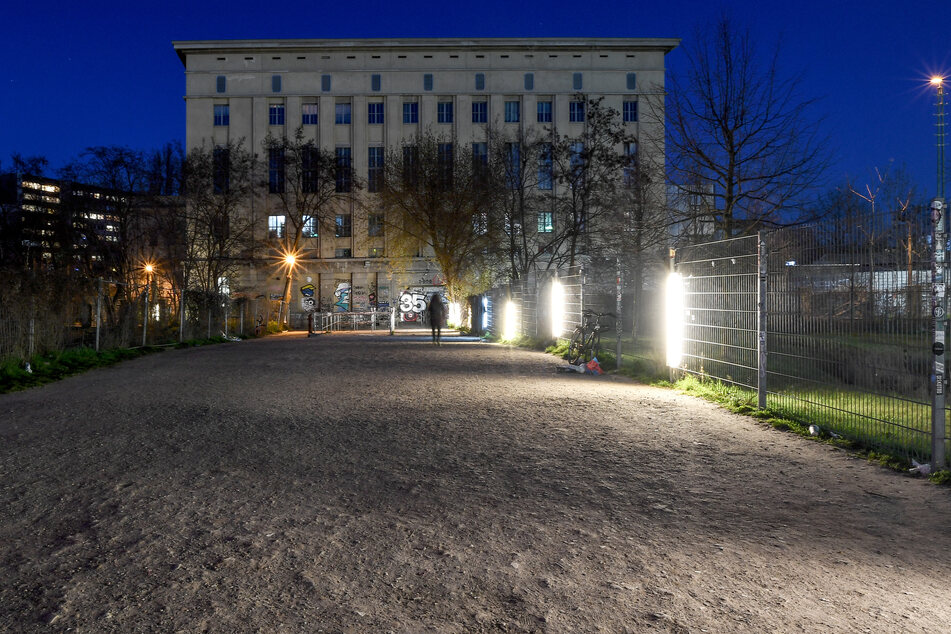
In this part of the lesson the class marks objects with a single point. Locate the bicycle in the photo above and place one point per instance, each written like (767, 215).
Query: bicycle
(586, 339)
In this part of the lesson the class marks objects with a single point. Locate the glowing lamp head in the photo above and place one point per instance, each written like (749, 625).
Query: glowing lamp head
(290, 259)
(937, 81)
(149, 268)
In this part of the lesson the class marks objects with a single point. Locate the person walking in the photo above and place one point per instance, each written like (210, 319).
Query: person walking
(437, 317)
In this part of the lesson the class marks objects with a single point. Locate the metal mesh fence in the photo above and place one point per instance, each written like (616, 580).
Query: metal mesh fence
(846, 325)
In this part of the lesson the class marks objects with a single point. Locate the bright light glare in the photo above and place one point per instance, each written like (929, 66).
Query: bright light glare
(937, 81)
(509, 324)
(455, 314)
(149, 268)
(675, 320)
(290, 259)
(557, 309)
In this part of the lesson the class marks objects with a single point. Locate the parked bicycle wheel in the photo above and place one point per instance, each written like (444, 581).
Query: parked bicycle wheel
(576, 346)
(594, 346)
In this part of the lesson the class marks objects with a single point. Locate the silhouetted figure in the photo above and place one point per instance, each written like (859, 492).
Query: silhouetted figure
(437, 317)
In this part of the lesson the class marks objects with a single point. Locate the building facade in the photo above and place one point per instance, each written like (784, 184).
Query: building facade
(360, 98)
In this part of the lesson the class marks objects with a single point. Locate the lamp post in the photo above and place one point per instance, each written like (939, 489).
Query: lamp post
(145, 316)
(938, 289)
(290, 260)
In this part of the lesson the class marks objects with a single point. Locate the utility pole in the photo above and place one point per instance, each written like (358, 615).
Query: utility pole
(938, 290)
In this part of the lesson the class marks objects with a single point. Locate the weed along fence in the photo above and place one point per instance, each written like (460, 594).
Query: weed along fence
(831, 326)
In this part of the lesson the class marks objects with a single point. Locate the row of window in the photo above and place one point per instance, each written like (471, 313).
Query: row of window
(343, 226)
(375, 157)
(444, 112)
(376, 82)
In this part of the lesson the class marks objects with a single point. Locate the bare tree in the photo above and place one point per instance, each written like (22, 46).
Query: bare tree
(739, 132)
(311, 184)
(32, 165)
(433, 197)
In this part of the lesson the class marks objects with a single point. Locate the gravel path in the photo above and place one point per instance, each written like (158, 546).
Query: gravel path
(361, 484)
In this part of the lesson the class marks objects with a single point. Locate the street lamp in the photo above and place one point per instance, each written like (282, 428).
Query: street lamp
(145, 316)
(938, 83)
(939, 306)
(289, 262)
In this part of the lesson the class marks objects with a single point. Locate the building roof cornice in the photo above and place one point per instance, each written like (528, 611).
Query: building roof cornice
(183, 47)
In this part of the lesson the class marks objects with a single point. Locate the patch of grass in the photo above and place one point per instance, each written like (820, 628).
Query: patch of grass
(54, 366)
(941, 477)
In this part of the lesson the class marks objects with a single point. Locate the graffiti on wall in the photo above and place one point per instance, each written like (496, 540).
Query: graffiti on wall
(413, 301)
(308, 301)
(342, 297)
(359, 300)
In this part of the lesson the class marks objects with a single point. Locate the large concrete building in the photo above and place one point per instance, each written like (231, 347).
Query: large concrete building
(359, 97)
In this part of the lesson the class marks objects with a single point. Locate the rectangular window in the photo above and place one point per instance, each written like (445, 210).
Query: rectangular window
(632, 81)
(544, 166)
(375, 252)
(344, 177)
(275, 83)
(342, 253)
(275, 170)
(513, 177)
(325, 83)
(410, 112)
(444, 112)
(427, 81)
(221, 169)
(576, 111)
(630, 169)
(529, 81)
(310, 227)
(309, 114)
(309, 168)
(480, 81)
(576, 83)
(342, 226)
(221, 83)
(275, 114)
(375, 83)
(576, 164)
(480, 112)
(630, 111)
(410, 163)
(544, 112)
(480, 155)
(221, 114)
(375, 225)
(511, 111)
(444, 159)
(342, 113)
(546, 223)
(374, 169)
(275, 226)
(375, 112)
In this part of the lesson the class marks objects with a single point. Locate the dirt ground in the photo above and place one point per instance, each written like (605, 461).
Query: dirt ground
(358, 484)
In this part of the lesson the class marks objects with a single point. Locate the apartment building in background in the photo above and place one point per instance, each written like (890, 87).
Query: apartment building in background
(360, 98)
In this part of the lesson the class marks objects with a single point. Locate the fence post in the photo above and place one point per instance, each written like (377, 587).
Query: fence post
(98, 311)
(617, 321)
(939, 312)
(763, 270)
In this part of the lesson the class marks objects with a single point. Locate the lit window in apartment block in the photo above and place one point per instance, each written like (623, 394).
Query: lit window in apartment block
(309, 114)
(310, 227)
(275, 226)
(275, 114)
(375, 252)
(511, 111)
(546, 223)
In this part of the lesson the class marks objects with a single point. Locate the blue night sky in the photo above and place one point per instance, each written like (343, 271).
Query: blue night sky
(77, 74)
